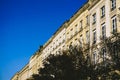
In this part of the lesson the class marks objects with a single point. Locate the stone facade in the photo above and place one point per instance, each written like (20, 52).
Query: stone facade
(95, 20)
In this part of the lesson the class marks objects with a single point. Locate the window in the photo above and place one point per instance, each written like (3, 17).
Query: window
(94, 57)
(81, 24)
(114, 24)
(104, 53)
(102, 11)
(59, 43)
(68, 35)
(103, 31)
(87, 20)
(76, 39)
(115, 50)
(113, 4)
(87, 37)
(81, 40)
(63, 34)
(94, 18)
(76, 28)
(94, 36)
(71, 29)
(76, 42)
(72, 33)
(71, 45)
(50, 46)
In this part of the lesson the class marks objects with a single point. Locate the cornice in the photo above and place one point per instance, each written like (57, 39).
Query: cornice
(60, 29)
(93, 3)
(66, 24)
(48, 42)
(24, 68)
(16, 74)
(55, 34)
(79, 12)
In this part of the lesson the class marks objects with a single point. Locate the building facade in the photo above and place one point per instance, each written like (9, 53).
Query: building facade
(93, 22)
(104, 21)
(23, 74)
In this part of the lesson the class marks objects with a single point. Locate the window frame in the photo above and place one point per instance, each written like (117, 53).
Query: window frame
(104, 54)
(87, 37)
(81, 24)
(113, 4)
(94, 36)
(81, 40)
(94, 57)
(103, 11)
(87, 20)
(114, 24)
(94, 18)
(103, 29)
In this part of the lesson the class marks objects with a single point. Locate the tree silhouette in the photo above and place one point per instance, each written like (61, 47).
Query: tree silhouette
(60, 67)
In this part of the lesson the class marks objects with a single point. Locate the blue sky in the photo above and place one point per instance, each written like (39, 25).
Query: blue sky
(27, 24)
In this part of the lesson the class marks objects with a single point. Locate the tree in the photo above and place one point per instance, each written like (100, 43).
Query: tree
(58, 67)
(109, 68)
(68, 66)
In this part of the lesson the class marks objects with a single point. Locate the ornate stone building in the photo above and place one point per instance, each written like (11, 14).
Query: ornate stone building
(96, 19)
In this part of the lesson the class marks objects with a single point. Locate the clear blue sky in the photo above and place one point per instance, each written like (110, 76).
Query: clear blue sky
(27, 24)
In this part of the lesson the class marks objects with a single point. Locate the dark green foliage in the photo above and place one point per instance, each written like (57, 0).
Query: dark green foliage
(59, 67)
